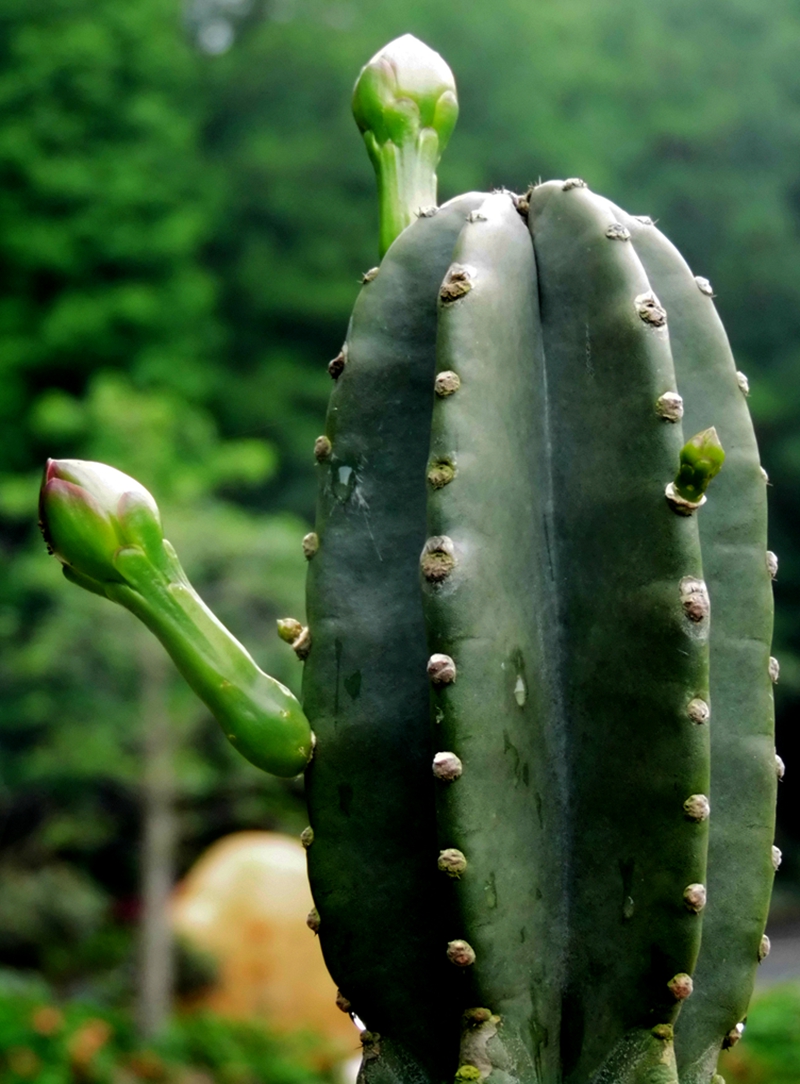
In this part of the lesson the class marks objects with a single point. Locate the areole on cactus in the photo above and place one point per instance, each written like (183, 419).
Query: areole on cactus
(537, 660)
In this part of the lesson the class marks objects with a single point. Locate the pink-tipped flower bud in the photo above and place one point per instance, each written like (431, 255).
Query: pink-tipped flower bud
(88, 511)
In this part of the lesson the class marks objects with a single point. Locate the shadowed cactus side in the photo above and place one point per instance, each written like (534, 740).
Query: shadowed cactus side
(537, 661)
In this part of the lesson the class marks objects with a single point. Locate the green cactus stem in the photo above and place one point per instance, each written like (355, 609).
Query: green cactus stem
(744, 771)
(405, 106)
(105, 529)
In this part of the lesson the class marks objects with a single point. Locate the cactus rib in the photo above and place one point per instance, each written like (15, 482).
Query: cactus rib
(634, 629)
(743, 775)
(370, 788)
(491, 615)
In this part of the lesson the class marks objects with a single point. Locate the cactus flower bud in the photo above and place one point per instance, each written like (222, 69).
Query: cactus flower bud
(88, 511)
(405, 106)
(105, 529)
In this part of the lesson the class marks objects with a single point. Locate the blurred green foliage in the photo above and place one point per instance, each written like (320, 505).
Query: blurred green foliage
(769, 1053)
(185, 210)
(52, 1043)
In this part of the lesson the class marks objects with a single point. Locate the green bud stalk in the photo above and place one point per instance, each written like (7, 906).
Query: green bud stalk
(405, 106)
(105, 528)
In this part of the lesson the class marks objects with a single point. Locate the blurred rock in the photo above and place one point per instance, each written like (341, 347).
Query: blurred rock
(245, 903)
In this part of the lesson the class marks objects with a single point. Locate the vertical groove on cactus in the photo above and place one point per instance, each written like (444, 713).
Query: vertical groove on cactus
(743, 778)
(370, 788)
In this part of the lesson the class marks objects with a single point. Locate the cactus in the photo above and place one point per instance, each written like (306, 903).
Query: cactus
(537, 662)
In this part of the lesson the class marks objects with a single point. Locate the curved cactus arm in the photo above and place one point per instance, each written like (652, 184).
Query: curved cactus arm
(733, 534)
(105, 529)
(489, 615)
(405, 105)
(370, 787)
(633, 633)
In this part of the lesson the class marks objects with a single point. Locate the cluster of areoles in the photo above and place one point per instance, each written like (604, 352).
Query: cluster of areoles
(437, 562)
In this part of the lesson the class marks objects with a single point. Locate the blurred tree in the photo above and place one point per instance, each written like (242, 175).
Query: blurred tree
(100, 733)
(104, 205)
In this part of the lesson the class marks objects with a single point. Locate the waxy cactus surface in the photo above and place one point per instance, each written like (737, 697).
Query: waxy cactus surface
(537, 660)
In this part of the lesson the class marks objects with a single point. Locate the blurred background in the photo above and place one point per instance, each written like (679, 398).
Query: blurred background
(185, 211)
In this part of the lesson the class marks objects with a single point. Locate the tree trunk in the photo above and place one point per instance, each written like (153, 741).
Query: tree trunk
(159, 840)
